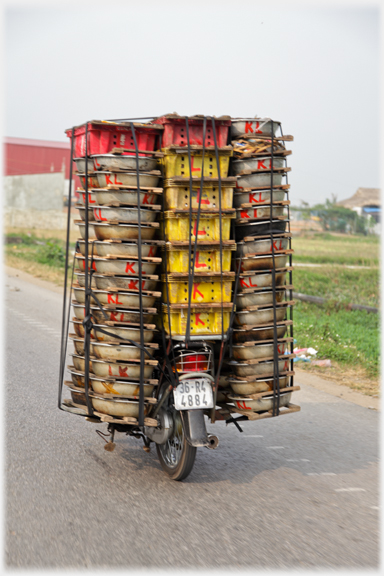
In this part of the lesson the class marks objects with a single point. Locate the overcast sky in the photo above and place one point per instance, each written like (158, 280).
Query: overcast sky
(314, 69)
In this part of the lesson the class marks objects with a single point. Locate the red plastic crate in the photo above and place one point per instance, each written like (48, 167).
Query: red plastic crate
(175, 131)
(103, 137)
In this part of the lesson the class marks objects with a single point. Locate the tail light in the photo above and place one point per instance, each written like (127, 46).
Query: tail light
(193, 362)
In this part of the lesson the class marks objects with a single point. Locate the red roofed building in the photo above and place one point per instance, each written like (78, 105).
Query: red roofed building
(26, 156)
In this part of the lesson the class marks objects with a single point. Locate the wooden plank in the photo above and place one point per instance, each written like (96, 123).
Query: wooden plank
(259, 289)
(261, 415)
(129, 324)
(264, 205)
(255, 272)
(200, 305)
(203, 212)
(286, 138)
(268, 253)
(259, 306)
(125, 419)
(277, 170)
(253, 361)
(201, 274)
(154, 259)
(170, 247)
(144, 292)
(128, 205)
(130, 241)
(251, 220)
(256, 342)
(266, 236)
(180, 243)
(120, 151)
(280, 187)
(269, 392)
(118, 222)
(255, 377)
(112, 275)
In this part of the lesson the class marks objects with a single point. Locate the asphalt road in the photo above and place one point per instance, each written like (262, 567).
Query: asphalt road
(292, 492)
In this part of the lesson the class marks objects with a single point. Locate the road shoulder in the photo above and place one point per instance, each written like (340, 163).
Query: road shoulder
(335, 389)
(15, 272)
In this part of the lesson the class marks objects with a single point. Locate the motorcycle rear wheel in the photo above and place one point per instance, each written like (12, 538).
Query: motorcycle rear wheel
(176, 456)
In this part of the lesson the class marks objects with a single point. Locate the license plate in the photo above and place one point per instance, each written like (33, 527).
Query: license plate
(193, 394)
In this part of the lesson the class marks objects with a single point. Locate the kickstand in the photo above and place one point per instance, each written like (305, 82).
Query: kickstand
(109, 446)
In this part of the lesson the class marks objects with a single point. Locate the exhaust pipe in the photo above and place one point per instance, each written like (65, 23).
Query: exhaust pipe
(213, 442)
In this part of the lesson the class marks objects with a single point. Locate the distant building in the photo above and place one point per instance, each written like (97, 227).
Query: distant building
(366, 202)
(36, 183)
(24, 156)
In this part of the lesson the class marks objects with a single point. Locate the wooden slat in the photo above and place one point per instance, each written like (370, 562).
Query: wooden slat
(180, 243)
(277, 170)
(256, 307)
(255, 272)
(258, 360)
(286, 138)
(264, 205)
(256, 377)
(128, 205)
(257, 289)
(153, 259)
(201, 274)
(260, 416)
(268, 253)
(280, 187)
(268, 392)
(119, 151)
(251, 220)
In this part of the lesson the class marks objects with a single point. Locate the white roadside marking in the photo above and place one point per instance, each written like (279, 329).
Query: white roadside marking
(35, 323)
(374, 507)
(276, 447)
(350, 490)
(321, 474)
(255, 436)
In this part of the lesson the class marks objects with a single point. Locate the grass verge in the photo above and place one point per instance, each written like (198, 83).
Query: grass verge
(42, 257)
(349, 338)
(325, 248)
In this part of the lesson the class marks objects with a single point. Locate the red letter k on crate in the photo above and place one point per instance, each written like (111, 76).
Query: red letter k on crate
(195, 290)
(130, 268)
(198, 320)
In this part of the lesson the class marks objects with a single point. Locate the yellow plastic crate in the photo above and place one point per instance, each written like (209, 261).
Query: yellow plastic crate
(203, 321)
(204, 290)
(177, 227)
(207, 259)
(176, 163)
(176, 195)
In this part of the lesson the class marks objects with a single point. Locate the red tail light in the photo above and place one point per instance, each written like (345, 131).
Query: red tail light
(192, 363)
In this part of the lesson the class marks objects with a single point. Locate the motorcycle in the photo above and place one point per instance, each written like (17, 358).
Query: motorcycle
(181, 409)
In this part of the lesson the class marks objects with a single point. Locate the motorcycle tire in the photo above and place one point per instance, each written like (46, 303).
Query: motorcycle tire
(176, 461)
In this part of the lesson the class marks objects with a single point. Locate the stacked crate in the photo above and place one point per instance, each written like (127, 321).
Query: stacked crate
(261, 361)
(207, 287)
(115, 258)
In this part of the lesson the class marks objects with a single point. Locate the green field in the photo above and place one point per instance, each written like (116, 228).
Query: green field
(327, 248)
(351, 338)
